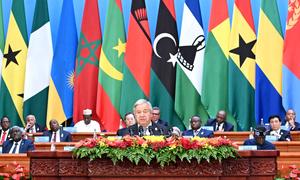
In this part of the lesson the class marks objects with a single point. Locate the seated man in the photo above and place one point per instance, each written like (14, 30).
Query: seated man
(290, 118)
(87, 124)
(196, 129)
(275, 124)
(143, 113)
(4, 132)
(17, 145)
(220, 123)
(129, 121)
(156, 117)
(260, 140)
(56, 134)
(31, 125)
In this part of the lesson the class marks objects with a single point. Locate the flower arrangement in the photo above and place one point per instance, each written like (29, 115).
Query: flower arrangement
(148, 148)
(12, 171)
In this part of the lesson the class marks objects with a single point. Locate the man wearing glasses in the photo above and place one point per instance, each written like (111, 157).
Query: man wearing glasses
(156, 117)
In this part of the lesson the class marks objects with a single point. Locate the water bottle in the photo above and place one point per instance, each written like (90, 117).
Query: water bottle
(251, 133)
(262, 122)
(95, 134)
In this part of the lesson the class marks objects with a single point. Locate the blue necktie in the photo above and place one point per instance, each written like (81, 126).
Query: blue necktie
(15, 148)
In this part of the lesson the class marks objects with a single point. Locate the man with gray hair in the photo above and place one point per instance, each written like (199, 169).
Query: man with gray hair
(142, 111)
(31, 125)
(17, 144)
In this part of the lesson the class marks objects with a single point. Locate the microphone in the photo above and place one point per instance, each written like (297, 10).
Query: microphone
(151, 130)
(131, 132)
(141, 131)
(161, 131)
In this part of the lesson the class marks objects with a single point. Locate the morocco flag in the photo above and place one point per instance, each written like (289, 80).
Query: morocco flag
(87, 62)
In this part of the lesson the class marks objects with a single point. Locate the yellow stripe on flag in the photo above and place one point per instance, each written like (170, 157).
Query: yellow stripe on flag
(221, 33)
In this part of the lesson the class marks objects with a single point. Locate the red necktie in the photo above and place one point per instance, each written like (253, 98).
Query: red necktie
(54, 137)
(3, 136)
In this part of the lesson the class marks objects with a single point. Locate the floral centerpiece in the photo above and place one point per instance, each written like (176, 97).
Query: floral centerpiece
(149, 148)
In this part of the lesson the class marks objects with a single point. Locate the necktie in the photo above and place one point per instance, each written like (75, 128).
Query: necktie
(3, 136)
(15, 148)
(54, 137)
(217, 129)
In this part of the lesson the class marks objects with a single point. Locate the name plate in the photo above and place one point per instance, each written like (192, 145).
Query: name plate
(271, 138)
(70, 129)
(0, 149)
(247, 147)
(41, 139)
(210, 128)
(68, 148)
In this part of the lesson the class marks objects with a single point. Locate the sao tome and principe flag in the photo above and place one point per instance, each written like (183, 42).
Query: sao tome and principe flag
(241, 68)
(13, 65)
(136, 70)
(269, 49)
(164, 59)
(110, 68)
(190, 64)
(87, 62)
(60, 98)
(38, 65)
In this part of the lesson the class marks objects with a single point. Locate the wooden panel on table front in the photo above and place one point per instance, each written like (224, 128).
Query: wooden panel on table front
(20, 159)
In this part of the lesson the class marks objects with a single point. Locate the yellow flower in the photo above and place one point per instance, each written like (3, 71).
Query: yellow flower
(154, 138)
(102, 144)
(144, 145)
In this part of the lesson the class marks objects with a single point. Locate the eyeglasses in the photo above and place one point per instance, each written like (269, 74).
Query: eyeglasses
(155, 113)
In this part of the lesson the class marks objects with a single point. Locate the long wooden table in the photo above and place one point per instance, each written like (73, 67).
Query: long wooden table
(234, 136)
(258, 165)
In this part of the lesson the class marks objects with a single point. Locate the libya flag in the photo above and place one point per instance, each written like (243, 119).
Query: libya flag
(241, 69)
(110, 68)
(39, 60)
(164, 59)
(14, 63)
(137, 64)
(87, 62)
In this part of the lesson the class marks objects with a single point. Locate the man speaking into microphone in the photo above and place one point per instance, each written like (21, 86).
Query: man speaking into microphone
(144, 127)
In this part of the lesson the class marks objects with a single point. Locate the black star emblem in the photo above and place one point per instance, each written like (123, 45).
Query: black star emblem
(244, 50)
(11, 56)
(21, 95)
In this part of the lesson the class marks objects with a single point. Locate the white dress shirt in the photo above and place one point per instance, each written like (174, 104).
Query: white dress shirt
(2, 132)
(92, 127)
(57, 138)
(13, 146)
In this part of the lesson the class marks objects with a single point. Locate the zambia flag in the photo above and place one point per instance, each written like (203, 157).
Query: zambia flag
(269, 51)
(111, 66)
(14, 63)
(136, 70)
(87, 62)
(164, 59)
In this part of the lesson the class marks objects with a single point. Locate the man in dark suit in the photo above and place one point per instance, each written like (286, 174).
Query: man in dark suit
(144, 127)
(290, 120)
(31, 125)
(220, 123)
(129, 120)
(196, 129)
(156, 117)
(281, 135)
(260, 140)
(4, 132)
(17, 145)
(56, 134)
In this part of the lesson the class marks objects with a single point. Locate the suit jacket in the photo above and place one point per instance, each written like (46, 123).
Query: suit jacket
(37, 128)
(285, 135)
(122, 132)
(65, 136)
(297, 127)
(202, 133)
(155, 128)
(8, 135)
(26, 145)
(265, 146)
(226, 127)
(162, 123)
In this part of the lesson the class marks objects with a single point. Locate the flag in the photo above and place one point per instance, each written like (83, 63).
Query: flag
(60, 98)
(2, 42)
(241, 68)
(136, 70)
(164, 59)
(14, 63)
(269, 49)
(111, 65)
(291, 64)
(215, 68)
(38, 65)
(190, 66)
(87, 62)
